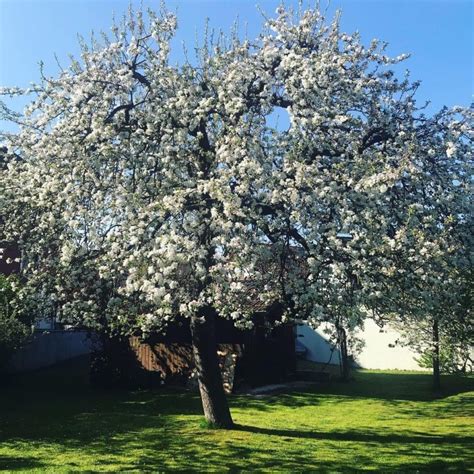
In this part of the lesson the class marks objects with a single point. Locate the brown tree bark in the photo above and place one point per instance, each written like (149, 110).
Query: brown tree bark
(436, 370)
(214, 401)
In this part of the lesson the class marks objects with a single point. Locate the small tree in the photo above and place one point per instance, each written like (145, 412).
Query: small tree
(341, 305)
(145, 190)
(444, 337)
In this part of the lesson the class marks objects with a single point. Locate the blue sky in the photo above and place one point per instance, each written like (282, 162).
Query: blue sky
(438, 33)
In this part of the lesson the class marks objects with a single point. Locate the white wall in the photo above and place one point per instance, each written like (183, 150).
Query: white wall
(376, 353)
(315, 341)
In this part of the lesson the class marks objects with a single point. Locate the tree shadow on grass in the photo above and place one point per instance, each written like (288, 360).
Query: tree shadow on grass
(399, 386)
(427, 453)
(359, 436)
(147, 441)
(164, 401)
(14, 463)
(460, 405)
(147, 430)
(357, 450)
(393, 388)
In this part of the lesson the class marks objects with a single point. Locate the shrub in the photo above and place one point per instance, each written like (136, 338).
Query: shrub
(14, 329)
(452, 359)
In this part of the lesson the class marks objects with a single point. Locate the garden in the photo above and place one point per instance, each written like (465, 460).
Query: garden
(389, 421)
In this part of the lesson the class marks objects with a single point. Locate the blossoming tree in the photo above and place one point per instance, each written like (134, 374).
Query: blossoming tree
(435, 292)
(141, 190)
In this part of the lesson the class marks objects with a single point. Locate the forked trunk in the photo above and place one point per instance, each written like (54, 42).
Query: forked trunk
(214, 401)
(436, 371)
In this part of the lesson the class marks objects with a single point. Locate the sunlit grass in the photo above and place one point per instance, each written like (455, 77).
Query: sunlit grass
(389, 422)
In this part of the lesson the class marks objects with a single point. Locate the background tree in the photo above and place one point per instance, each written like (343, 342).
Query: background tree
(147, 190)
(15, 326)
(444, 336)
(434, 275)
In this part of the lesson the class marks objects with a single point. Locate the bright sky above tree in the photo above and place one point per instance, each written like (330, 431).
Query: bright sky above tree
(437, 33)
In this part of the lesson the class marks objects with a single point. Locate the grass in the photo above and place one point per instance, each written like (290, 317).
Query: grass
(384, 421)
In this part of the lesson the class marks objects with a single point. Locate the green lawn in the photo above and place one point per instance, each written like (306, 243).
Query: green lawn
(384, 421)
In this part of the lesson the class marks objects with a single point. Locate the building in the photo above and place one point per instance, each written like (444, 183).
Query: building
(379, 350)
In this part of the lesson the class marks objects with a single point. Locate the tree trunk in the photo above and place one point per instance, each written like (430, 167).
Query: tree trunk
(344, 357)
(214, 401)
(436, 372)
